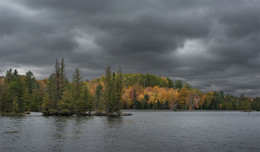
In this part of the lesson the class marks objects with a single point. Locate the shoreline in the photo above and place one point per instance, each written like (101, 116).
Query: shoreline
(125, 112)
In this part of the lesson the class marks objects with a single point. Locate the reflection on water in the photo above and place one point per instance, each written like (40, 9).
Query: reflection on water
(113, 121)
(144, 131)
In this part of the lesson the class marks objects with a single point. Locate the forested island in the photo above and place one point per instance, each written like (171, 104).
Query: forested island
(108, 94)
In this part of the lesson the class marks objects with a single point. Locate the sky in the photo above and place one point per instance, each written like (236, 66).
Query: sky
(211, 44)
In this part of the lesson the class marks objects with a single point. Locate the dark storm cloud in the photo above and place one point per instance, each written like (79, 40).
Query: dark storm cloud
(211, 44)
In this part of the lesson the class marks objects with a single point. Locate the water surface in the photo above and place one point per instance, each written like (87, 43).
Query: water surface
(144, 131)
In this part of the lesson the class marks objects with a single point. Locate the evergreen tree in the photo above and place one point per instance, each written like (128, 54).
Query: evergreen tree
(108, 90)
(62, 78)
(187, 86)
(46, 105)
(27, 100)
(52, 92)
(57, 79)
(36, 100)
(113, 103)
(16, 105)
(66, 105)
(178, 84)
(170, 83)
(9, 75)
(77, 84)
(98, 95)
(15, 91)
(87, 100)
(77, 91)
(30, 81)
(119, 88)
(6, 104)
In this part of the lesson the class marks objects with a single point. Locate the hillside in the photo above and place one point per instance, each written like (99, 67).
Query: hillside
(113, 91)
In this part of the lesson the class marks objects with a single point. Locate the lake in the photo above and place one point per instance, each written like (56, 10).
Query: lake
(144, 131)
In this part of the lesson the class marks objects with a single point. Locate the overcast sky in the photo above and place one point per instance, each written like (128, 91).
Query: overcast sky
(212, 44)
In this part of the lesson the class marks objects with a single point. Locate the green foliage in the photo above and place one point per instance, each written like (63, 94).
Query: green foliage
(46, 104)
(118, 89)
(77, 84)
(146, 80)
(187, 86)
(108, 91)
(170, 83)
(98, 97)
(36, 100)
(30, 81)
(178, 84)
(88, 100)
(57, 96)
(16, 105)
(113, 90)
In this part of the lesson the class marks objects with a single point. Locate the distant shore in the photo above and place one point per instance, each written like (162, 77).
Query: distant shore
(127, 112)
(163, 110)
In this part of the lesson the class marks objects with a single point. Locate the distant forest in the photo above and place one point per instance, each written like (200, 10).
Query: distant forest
(111, 92)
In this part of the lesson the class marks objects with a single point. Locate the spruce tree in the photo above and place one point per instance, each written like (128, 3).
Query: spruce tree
(119, 88)
(77, 84)
(30, 81)
(87, 99)
(98, 95)
(113, 103)
(62, 78)
(108, 90)
(77, 91)
(57, 79)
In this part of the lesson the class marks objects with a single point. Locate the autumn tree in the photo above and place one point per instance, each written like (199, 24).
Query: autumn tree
(183, 97)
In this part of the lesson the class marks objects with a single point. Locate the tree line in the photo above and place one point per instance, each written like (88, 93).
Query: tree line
(108, 94)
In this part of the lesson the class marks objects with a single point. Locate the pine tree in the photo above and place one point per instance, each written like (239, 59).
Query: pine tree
(15, 91)
(51, 87)
(6, 100)
(77, 84)
(178, 84)
(98, 95)
(77, 91)
(57, 79)
(46, 105)
(16, 105)
(62, 78)
(87, 99)
(30, 81)
(9, 75)
(36, 100)
(119, 88)
(27, 100)
(108, 90)
(113, 93)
